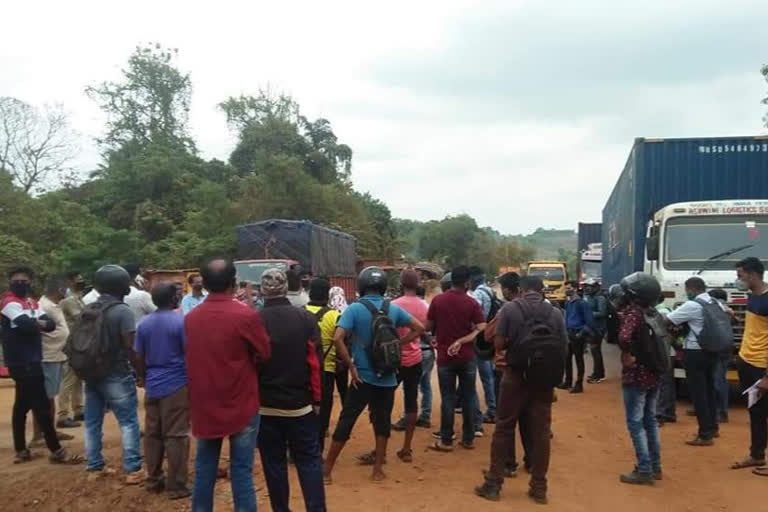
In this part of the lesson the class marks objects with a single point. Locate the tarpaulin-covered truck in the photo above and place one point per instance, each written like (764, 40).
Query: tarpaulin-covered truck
(320, 251)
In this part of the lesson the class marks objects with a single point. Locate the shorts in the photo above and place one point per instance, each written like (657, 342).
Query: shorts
(410, 376)
(379, 400)
(52, 375)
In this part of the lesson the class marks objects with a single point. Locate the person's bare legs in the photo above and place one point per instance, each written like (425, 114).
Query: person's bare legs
(410, 427)
(381, 454)
(330, 460)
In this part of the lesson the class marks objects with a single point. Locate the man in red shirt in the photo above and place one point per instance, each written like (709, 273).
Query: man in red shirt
(226, 343)
(456, 319)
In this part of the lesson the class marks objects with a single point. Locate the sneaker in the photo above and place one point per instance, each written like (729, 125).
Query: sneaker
(438, 435)
(564, 385)
(538, 496)
(67, 423)
(700, 441)
(423, 423)
(577, 388)
(595, 380)
(488, 491)
(399, 426)
(479, 433)
(637, 478)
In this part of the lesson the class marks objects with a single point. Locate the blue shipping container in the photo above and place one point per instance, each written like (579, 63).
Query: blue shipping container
(660, 172)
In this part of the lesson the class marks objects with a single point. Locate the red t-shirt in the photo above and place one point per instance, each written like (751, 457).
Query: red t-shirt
(225, 341)
(454, 315)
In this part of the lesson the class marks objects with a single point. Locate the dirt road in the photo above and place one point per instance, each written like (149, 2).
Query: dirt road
(591, 447)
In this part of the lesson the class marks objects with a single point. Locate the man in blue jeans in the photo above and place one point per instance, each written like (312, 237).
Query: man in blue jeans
(226, 344)
(640, 385)
(456, 319)
(484, 296)
(116, 391)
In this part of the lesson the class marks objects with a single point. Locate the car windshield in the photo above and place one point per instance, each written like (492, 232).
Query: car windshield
(547, 273)
(691, 242)
(252, 271)
(591, 269)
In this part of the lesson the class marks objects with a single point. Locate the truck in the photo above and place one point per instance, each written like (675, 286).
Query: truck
(687, 207)
(590, 251)
(554, 274)
(317, 250)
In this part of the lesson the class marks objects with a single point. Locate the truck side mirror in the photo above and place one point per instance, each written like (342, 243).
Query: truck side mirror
(652, 244)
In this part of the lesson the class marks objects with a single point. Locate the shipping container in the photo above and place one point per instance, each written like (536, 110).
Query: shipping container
(660, 172)
(589, 233)
(319, 250)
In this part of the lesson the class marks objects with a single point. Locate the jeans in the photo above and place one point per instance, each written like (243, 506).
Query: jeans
(118, 393)
(299, 435)
(700, 373)
(640, 408)
(722, 389)
(758, 413)
(485, 369)
(667, 405)
(575, 350)
(466, 374)
(425, 385)
(242, 448)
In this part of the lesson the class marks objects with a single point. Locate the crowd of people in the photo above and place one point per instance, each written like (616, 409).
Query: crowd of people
(218, 364)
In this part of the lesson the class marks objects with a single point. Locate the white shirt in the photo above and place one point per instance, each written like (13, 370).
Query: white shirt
(91, 297)
(140, 303)
(54, 341)
(692, 313)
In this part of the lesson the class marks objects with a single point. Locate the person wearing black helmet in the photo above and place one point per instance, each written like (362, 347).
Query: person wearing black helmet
(639, 381)
(599, 305)
(370, 388)
(117, 391)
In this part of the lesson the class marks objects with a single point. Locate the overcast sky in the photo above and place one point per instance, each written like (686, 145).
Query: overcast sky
(521, 114)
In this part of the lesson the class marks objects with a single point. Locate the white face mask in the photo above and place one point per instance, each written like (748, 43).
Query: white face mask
(741, 285)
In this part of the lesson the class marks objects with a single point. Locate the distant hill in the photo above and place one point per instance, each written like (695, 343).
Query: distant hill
(549, 242)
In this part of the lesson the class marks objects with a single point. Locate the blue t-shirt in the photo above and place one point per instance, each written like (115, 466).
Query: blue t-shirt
(357, 320)
(160, 341)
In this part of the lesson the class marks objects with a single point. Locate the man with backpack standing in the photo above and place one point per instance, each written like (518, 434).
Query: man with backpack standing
(456, 320)
(580, 325)
(533, 334)
(598, 305)
(490, 305)
(644, 359)
(375, 345)
(290, 389)
(707, 323)
(101, 352)
(327, 319)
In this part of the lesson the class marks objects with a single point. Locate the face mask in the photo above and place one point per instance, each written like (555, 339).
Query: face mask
(20, 288)
(198, 288)
(570, 293)
(741, 285)
(690, 295)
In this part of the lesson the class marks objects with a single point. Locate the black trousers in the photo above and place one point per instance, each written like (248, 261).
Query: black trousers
(699, 372)
(326, 406)
(379, 400)
(576, 345)
(596, 348)
(31, 395)
(758, 413)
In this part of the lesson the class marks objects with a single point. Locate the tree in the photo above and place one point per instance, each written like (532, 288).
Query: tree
(764, 101)
(150, 105)
(36, 147)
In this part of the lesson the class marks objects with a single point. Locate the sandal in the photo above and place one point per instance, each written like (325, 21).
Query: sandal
(22, 457)
(748, 462)
(368, 459)
(405, 455)
(64, 457)
(761, 471)
(438, 446)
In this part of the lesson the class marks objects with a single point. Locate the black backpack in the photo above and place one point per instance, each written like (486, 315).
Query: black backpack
(385, 342)
(540, 352)
(717, 333)
(653, 350)
(319, 315)
(87, 349)
(484, 349)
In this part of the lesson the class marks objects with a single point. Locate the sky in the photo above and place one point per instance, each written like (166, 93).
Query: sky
(519, 113)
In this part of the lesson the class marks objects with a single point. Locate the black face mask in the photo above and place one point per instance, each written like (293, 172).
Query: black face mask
(198, 288)
(79, 286)
(20, 288)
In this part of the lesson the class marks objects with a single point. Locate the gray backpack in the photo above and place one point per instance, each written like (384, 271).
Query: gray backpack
(87, 349)
(717, 334)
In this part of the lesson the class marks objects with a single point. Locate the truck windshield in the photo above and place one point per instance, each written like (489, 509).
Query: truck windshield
(252, 271)
(547, 273)
(591, 269)
(691, 241)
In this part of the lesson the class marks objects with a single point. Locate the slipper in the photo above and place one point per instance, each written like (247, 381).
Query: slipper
(368, 459)
(405, 455)
(748, 462)
(761, 471)
(64, 457)
(440, 447)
